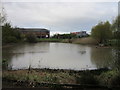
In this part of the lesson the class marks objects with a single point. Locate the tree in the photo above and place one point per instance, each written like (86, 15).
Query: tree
(116, 33)
(31, 38)
(116, 28)
(10, 34)
(2, 17)
(64, 36)
(102, 32)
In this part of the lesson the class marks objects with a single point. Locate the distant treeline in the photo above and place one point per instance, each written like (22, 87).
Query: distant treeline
(64, 36)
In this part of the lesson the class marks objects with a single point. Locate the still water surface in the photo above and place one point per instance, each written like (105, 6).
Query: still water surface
(57, 56)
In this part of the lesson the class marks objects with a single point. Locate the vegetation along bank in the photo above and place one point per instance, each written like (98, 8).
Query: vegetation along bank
(34, 77)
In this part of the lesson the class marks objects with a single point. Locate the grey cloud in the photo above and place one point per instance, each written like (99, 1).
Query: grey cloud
(63, 17)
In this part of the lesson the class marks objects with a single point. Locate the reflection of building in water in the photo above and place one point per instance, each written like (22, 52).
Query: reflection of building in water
(39, 32)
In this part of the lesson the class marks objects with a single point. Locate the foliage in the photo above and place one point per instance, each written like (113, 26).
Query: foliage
(116, 59)
(110, 78)
(115, 80)
(31, 38)
(2, 16)
(116, 28)
(10, 34)
(116, 31)
(102, 31)
(64, 36)
(87, 78)
(4, 64)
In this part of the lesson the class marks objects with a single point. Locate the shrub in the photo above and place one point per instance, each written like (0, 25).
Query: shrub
(87, 78)
(10, 34)
(110, 78)
(10, 39)
(31, 38)
(115, 80)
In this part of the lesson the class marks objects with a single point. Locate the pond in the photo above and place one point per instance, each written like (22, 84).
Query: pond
(57, 56)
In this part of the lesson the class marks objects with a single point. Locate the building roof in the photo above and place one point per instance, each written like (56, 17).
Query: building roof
(33, 29)
(78, 32)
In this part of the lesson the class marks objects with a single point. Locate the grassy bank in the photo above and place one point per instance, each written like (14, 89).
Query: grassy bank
(93, 77)
(84, 40)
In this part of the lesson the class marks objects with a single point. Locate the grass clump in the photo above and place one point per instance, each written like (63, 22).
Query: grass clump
(110, 78)
(87, 78)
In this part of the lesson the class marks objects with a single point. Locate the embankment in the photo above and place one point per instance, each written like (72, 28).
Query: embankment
(38, 77)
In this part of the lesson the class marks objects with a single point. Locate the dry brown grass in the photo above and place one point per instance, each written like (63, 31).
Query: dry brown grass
(85, 40)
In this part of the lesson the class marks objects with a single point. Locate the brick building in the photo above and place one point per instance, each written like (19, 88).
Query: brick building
(38, 32)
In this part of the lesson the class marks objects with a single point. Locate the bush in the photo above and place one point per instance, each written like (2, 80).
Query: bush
(31, 38)
(10, 39)
(115, 80)
(110, 78)
(87, 78)
(10, 34)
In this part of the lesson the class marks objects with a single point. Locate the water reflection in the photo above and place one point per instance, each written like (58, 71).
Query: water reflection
(101, 57)
(58, 56)
(82, 52)
(22, 55)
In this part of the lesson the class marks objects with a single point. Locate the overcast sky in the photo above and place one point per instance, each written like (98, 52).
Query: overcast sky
(60, 16)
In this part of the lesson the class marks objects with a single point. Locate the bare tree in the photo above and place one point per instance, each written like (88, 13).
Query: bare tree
(2, 15)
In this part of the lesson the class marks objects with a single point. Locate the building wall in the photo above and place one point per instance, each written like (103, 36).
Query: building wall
(40, 33)
(80, 34)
